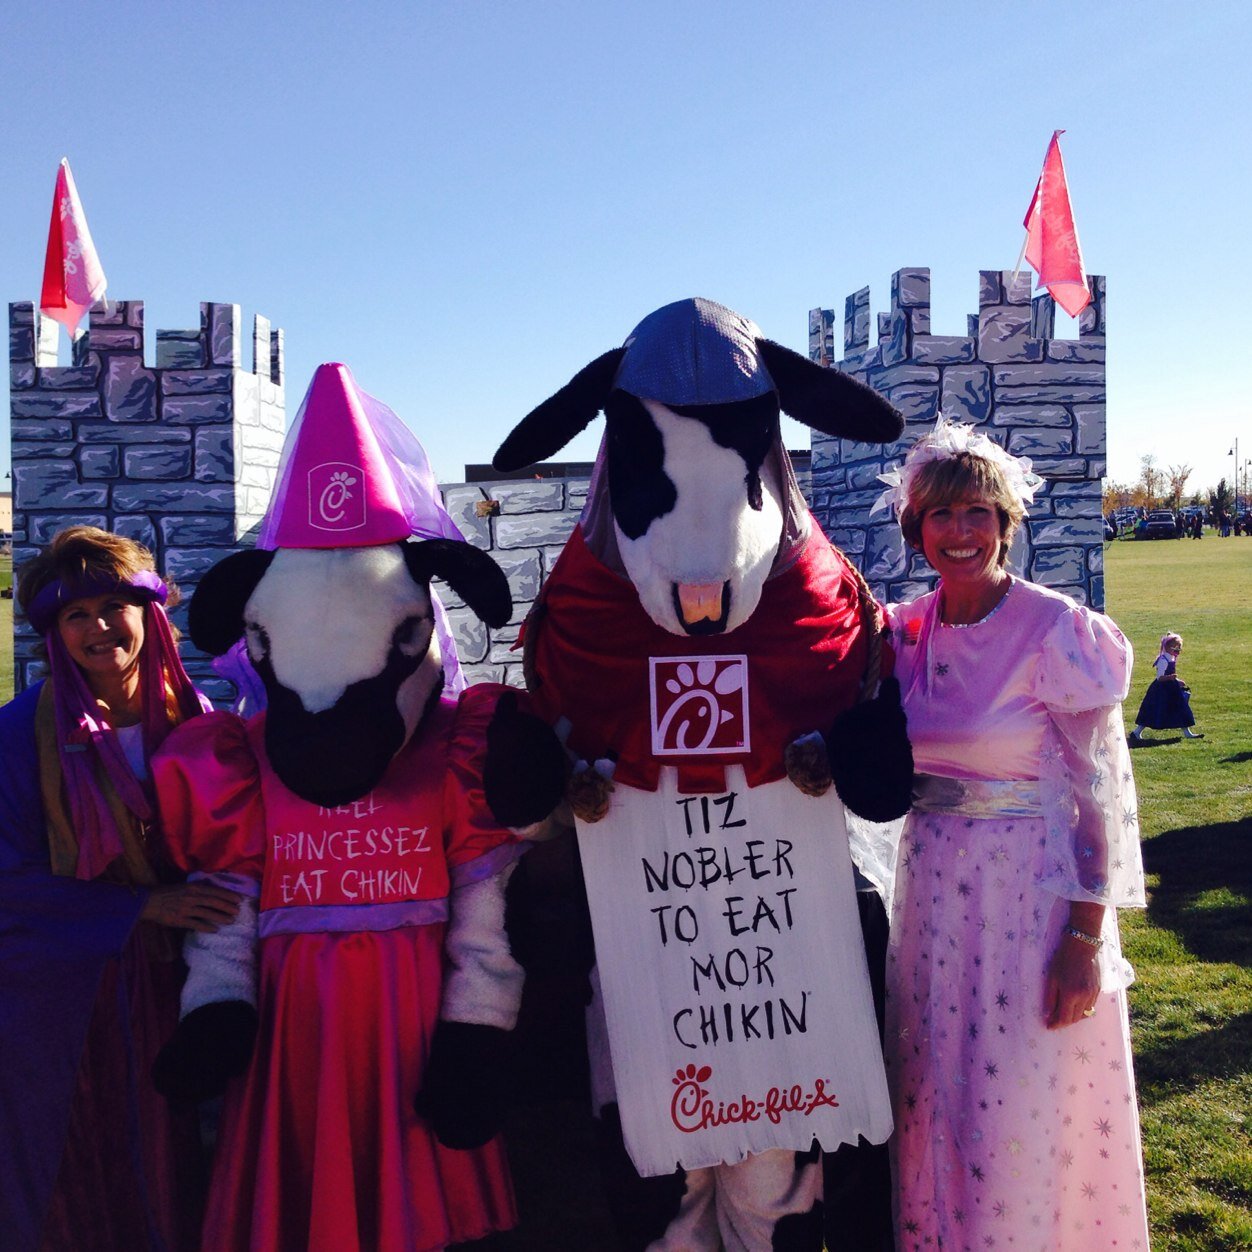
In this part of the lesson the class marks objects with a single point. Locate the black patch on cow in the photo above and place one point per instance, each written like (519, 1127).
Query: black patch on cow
(547, 429)
(639, 488)
(338, 755)
(749, 427)
(800, 1232)
(470, 572)
(215, 615)
(827, 399)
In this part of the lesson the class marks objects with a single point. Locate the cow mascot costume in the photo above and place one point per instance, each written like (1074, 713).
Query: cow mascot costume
(369, 816)
(696, 634)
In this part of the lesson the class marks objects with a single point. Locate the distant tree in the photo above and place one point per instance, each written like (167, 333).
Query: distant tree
(1177, 475)
(1115, 496)
(1149, 479)
(1221, 498)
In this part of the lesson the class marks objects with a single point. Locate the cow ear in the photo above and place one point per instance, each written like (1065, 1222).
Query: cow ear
(215, 615)
(828, 400)
(548, 428)
(469, 571)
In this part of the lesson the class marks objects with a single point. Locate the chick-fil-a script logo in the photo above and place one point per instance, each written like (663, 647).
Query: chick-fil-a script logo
(699, 705)
(336, 501)
(693, 1107)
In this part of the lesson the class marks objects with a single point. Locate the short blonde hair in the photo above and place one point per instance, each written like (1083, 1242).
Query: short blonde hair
(962, 478)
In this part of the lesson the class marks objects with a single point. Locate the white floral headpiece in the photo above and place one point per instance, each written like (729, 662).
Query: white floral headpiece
(947, 440)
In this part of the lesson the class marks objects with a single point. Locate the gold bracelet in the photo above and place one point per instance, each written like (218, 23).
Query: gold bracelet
(1093, 941)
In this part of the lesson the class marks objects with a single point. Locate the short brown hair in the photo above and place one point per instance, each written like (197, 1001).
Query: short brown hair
(961, 478)
(85, 554)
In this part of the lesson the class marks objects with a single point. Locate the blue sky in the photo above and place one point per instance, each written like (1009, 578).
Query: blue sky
(467, 202)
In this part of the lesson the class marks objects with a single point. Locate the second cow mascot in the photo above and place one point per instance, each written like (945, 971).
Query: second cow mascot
(696, 634)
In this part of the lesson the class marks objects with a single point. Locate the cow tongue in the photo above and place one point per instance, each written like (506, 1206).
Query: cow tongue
(700, 600)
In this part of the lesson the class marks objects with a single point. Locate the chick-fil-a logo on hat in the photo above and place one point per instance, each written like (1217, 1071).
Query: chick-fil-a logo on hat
(699, 705)
(336, 501)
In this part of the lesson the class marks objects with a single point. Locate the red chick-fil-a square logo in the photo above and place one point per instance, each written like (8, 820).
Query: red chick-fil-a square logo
(336, 496)
(699, 705)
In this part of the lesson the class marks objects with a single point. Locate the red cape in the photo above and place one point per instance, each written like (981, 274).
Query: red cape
(589, 641)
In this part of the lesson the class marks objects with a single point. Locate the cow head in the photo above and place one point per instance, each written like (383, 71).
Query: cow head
(344, 641)
(696, 473)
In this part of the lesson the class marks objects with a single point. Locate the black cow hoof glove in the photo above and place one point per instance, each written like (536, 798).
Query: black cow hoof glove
(465, 1084)
(525, 768)
(212, 1045)
(871, 760)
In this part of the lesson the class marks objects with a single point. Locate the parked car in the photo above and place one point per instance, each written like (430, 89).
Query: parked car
(1160, 524)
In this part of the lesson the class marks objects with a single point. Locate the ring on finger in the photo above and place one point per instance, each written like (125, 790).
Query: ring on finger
(1089, 1012)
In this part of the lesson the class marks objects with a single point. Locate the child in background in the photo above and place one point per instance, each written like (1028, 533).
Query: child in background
(1167, 703)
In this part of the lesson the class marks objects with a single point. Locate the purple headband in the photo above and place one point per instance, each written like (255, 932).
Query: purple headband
(146, 586)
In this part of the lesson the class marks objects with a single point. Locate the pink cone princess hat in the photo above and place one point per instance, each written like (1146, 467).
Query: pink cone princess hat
(335, 488)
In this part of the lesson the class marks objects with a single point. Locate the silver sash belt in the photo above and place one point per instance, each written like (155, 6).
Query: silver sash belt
(974, 797)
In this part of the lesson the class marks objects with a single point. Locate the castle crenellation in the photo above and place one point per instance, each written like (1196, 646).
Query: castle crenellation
(180, 455)
(1036, 395)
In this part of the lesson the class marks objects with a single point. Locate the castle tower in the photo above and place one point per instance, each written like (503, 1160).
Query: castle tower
(1037, 396)
(180, 456)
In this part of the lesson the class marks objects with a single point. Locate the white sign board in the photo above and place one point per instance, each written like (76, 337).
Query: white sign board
(738, 1003)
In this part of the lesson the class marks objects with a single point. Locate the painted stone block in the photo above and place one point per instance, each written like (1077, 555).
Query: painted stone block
(863, 476)
(1041, 441)
(180, 498)
(856, 321)
(1004, 335)
(100, 461)
(159, 463)
(942, 349)
(848, 539)
(915, 402)
(188, 565)
(136, 526)
(179, 350)
(1030, 415)
(885, 555)
(1077, 352)
(534, 530)
(966, 393)
(55, 405)
(222, 324)
(54, 485)
(470, 636)
(545, 496)
(1049, 374)
(195, 410)
(119, 434)
(576, 490)
(1055, 567)
(130, 391)
(1090, 419)
(990, 288)
(215, 458)
(71, 377)
(524, 570)
(461, 501)
(195, 382)
(41, 450)
(41, 527)
(21, 375)
(1054, 532)
(198, 530)
(122, 340)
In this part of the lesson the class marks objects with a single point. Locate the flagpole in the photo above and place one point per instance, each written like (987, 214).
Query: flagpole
(1017, 269)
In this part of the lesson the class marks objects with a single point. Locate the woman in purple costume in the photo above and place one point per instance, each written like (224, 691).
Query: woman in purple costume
(1007, 1041)
(90, 915)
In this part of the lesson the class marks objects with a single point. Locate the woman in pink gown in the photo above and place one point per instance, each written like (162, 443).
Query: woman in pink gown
(1007, 1036)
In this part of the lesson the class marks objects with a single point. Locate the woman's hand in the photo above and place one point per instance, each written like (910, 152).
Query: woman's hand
(1071, 987)
(191, 906)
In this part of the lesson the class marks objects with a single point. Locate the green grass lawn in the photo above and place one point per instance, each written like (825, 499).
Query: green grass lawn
(1192, 947)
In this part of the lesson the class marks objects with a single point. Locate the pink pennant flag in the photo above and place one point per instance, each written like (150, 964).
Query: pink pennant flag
(72, 277)
(1052, 246)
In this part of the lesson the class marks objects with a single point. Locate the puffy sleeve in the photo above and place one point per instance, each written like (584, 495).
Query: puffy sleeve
(1083, 675)
(208, 792)
(476, 844)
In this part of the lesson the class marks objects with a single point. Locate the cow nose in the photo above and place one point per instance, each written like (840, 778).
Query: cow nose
(700, 601)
